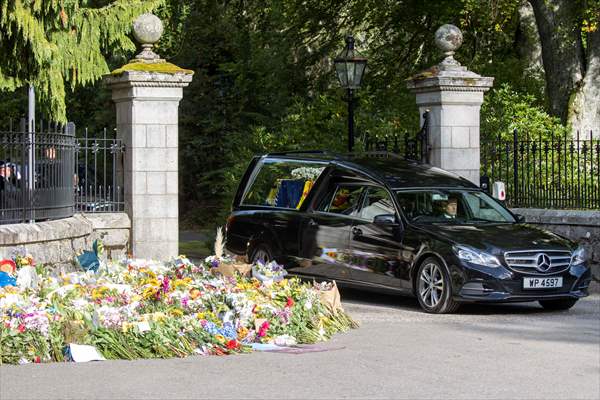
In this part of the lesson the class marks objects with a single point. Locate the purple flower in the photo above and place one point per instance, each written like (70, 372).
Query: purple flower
(214, 263)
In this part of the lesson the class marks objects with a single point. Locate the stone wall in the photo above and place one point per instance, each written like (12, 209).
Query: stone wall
(56, 242)
(581, 226)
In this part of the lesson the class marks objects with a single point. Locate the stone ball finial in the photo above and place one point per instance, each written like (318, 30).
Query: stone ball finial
(448, 39)
(147, 30)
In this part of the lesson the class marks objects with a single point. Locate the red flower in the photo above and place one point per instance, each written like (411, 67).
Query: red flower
(262, 331)
(290, 302)
(37, 360)
(21, 328)
(233, 344)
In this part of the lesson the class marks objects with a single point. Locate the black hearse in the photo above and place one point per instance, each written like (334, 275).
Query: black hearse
(383, 223)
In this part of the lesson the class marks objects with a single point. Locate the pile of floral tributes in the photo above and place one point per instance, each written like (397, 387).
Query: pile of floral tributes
(149, 309)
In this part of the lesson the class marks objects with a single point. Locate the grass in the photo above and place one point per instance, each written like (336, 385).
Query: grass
(195, 249)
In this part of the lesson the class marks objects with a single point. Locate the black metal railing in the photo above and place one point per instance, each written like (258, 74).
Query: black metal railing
(549, 172)
(36, 172)
(408, 145)
(99, 172)
(50, 173)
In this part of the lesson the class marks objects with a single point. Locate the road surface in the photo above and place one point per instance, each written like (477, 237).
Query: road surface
(492, 352)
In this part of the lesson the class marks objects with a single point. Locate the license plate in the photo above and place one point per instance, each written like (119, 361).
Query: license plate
(542, 283)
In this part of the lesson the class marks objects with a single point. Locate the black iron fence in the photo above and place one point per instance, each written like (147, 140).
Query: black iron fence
(99, 172)
(545, 172)
(36, 179)
(51, 173)
(408, 145)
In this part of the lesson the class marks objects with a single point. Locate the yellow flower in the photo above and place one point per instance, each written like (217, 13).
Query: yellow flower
(158, 316)
(242, 332)
(220, 338)
(176, 312)
(149, 292)
(177, 283)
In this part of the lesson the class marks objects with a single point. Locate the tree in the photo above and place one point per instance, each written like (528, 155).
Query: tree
(570, 37)
(54, 44)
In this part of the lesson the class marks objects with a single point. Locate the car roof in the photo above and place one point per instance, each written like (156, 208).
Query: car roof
(396, 172)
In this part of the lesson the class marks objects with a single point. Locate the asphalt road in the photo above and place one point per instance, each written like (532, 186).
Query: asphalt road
(494, 352)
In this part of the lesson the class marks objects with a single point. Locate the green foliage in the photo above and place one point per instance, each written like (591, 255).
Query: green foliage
(56, 44)
(505, 110)
(263, 76)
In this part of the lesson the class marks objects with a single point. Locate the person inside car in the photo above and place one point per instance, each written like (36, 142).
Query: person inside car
(446, 209)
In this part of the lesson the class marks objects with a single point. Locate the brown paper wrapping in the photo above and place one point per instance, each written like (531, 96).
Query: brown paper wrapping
(331, 298)
(229, 269)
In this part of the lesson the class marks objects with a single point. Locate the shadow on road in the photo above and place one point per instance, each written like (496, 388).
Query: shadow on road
(411, 304)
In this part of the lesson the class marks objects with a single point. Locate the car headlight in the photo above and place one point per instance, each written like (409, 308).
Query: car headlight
(476, 257)
(578, 256)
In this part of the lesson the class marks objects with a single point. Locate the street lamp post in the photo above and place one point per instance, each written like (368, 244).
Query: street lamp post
(350, 67)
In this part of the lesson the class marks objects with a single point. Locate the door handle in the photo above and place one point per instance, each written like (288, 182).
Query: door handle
(357, 231)
(312, 222)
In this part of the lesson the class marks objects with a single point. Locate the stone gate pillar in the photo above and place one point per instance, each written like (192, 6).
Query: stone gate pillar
(453, 96)
(147, 92)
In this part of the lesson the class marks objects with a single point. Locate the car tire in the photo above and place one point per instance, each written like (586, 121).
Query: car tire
(433, 288)
(261, 252)
(557, 305)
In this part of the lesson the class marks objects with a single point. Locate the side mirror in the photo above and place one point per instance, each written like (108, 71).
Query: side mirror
(520, 218)
(385, 219)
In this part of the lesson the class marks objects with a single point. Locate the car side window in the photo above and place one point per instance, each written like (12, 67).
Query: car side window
(282, 183)
(342, 199)
(377, 202)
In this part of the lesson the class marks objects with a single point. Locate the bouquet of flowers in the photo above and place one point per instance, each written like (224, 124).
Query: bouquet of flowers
(222, 264)
(268, 272)
(329, 295)
(307, 173)
(147, 309)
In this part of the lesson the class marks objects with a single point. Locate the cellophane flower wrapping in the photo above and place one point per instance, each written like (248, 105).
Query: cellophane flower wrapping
(149, 309)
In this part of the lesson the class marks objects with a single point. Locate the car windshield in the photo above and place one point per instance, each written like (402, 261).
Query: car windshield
(451, 206)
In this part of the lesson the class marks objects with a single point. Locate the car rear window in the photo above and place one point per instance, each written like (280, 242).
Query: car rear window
(282, 183)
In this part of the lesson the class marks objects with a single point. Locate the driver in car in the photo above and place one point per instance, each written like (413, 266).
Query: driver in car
(447, 209)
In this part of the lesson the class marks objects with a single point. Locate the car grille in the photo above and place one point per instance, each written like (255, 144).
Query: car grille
(527, 261)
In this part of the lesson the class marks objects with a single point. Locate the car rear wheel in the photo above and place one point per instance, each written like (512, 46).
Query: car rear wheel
(562, 304)
(262, 253)
(433, 288)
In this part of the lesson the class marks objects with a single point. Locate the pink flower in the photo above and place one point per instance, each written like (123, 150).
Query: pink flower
(262, 331)
(165, 284)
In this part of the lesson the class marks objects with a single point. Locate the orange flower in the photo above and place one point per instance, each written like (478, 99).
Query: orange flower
(195, 293)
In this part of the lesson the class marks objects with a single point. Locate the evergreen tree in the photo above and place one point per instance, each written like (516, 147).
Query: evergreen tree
(54, 44)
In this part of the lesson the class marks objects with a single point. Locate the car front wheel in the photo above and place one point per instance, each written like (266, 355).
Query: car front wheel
(562, 304)
(433, 288)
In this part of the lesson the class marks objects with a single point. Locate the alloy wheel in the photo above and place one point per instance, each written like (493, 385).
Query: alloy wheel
(261, 255)
(431, 285)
